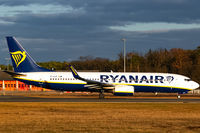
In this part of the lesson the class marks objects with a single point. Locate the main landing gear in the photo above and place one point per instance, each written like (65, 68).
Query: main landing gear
(101, 94)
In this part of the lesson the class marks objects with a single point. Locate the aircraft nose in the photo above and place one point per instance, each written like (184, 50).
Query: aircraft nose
(195, 85)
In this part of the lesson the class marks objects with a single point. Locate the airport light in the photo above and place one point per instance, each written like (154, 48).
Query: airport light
(7, 60)
(124, 40)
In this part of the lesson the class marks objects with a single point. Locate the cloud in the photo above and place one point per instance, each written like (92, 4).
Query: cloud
(73, 28)
(155, 27)
(11, 11)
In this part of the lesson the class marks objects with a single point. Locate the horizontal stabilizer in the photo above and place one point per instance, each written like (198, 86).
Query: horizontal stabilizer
(14, 73)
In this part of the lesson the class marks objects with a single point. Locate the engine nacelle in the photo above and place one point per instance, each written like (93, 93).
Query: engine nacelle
(123, 90)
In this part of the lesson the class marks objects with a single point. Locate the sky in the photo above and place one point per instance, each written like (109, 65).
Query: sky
(64, 30)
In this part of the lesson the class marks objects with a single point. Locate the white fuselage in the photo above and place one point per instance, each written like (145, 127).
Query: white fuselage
(141, 81)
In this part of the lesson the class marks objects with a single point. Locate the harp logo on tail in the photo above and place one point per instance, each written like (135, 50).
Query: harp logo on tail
(18, 57)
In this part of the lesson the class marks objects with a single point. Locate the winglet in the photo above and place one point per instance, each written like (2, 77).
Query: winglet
(74, 72)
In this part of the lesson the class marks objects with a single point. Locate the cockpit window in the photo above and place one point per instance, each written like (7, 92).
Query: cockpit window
(188, 80)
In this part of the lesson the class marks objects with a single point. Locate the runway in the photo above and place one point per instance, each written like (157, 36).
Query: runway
(10, 98)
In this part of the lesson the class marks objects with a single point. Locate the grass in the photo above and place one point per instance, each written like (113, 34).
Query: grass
(99, 117)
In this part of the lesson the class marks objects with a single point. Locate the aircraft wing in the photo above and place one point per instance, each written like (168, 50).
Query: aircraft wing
(91, 84)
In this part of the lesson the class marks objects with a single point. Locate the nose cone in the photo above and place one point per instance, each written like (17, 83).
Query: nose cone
(194, 85)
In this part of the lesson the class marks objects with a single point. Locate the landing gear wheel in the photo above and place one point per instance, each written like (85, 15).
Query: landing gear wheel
(101, 94)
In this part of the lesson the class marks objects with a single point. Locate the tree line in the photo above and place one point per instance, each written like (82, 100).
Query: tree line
(176, 60)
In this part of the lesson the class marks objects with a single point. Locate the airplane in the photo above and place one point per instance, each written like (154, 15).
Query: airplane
(118, 83)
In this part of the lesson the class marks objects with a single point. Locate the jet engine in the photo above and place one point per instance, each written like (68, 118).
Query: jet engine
(123, 90)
